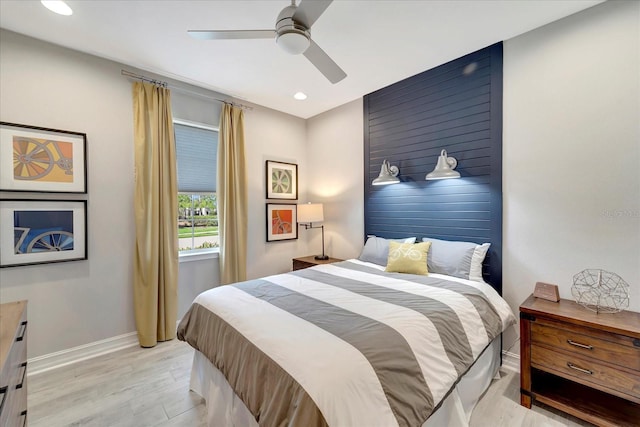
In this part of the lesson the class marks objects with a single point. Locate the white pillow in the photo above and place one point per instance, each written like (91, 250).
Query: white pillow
(479, 254)
(376, 249)
(457, 259)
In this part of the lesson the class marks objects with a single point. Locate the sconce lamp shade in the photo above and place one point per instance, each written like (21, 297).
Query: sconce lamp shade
(388, 175)
(444, 168)
(310, 212)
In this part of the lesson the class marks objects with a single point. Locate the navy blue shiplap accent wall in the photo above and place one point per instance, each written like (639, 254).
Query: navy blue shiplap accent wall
(458, 107)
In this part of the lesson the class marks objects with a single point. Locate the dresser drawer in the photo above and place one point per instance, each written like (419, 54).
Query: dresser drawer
(584, 342)
(14, 406)
(14, 385)
(16, 355)
(13, 363)
(587, 371)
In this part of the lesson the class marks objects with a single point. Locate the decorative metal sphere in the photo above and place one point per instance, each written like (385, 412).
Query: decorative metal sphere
(600, 291)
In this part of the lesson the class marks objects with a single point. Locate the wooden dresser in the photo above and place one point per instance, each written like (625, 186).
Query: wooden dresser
(580, 362)
(310, 261)
(13, 364)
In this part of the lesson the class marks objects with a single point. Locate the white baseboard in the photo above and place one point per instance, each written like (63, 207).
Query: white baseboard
(511, 361)
(47, 362)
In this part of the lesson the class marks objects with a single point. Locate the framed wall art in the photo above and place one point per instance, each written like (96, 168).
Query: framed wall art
(282, 180)
(42, 231)
(282, 222)
(38, 159)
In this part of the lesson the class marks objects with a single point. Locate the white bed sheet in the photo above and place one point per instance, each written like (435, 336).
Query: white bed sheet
(225, 408)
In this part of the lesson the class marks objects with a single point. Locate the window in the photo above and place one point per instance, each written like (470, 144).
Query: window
(196, 152)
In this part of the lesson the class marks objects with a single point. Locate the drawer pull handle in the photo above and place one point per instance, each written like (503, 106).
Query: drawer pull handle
(577, 344)
(24, 373)
(23, 325)
(3, 391)
(577, 368)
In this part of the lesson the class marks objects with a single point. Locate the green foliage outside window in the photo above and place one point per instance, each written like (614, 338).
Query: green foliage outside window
(197, 220)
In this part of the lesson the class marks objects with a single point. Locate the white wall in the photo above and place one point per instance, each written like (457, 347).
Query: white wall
(270, 135)
(335, 153)
(572, 151)
(80, 302)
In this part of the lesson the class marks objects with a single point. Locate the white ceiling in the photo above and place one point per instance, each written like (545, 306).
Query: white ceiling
(375, 42)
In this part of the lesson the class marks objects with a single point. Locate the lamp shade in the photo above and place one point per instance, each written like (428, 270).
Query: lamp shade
(310, 212)
(388, 175)
(444, 168)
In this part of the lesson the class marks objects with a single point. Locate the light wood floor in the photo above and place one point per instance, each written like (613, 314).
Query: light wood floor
(150, 387)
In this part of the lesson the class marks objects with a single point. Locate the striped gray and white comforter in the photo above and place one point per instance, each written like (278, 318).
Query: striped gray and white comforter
(345, 344)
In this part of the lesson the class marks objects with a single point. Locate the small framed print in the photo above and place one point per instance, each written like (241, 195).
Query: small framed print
(42, 231)
(282, 180)
(282, 222)
(42, 160)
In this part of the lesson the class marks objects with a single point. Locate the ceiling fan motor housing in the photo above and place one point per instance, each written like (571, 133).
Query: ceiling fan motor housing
(293, 37)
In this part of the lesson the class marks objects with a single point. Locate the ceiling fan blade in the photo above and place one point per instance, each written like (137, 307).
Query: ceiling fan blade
(324, 63)
(309, 11)
(232, 34)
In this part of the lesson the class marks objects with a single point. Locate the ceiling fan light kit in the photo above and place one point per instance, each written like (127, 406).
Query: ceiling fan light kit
(293, 41)
(292, 37)
(292, 34)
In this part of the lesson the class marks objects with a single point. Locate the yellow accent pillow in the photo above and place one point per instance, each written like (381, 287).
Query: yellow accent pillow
(408, 258)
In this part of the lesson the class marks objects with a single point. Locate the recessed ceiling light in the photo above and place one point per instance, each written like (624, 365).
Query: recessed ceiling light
(57, 6)
(300, 96)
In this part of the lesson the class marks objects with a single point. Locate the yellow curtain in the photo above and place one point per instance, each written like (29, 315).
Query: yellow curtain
(156, 209)
(232, 196)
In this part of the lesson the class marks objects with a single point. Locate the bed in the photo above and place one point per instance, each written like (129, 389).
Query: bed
(345, 344)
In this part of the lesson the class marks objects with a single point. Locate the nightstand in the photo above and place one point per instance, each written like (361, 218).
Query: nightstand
(310, 261)
(580, 362)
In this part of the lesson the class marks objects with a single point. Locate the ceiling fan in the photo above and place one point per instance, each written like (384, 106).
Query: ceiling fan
(292, 34)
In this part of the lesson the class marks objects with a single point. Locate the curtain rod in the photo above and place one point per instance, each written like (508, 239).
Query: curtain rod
(179, 89)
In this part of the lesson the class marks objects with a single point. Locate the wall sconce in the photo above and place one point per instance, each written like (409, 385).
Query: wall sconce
(445, 168)
(307, 215)
(388, 175)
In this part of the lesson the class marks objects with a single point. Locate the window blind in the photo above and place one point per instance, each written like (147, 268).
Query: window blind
(197, 157)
